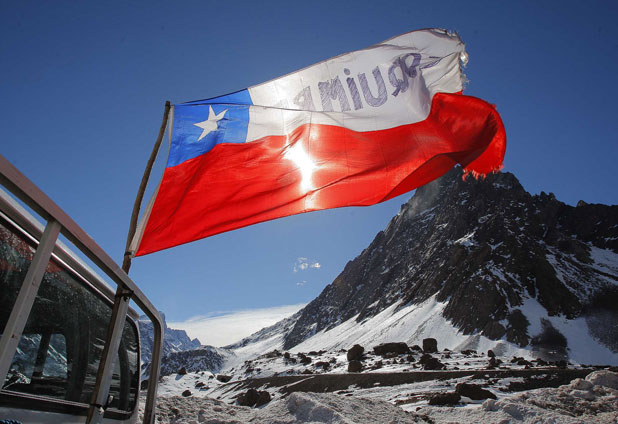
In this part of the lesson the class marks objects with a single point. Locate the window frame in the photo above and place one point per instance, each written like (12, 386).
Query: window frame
(10, 398)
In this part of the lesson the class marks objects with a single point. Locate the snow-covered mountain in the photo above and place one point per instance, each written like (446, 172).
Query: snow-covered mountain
(476, 264)
(204, 358)
(173, 340)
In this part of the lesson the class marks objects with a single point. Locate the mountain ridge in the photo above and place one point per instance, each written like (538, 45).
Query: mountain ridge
(486, 246)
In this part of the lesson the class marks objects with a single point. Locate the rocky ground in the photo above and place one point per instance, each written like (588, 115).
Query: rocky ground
(590, 400)
(392, 383)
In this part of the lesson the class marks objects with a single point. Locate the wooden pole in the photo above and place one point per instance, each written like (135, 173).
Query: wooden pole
(126, 263)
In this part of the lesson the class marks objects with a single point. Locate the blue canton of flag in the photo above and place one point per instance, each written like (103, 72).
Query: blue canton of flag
(201, 125)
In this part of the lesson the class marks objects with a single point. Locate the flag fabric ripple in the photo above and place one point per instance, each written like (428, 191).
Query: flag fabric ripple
(354, 130)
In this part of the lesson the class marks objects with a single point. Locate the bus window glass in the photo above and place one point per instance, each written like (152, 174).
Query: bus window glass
(15, 257)
(61, 346)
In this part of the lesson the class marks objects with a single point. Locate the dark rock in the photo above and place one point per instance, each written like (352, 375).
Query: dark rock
(378, 365)
(186, 393)
(397, 348)
(286, 355)
(491, 353)
(182, 371)
(264, 398)
(448, 398)
(248, 398)
(410, 358)
(307, 371)
(494, 362)
(199, 384)
(272, 354)
(430, 345)
(253, 398)
(322, 364)
(473, 391)
(355, 366)
(304, 359)
(143, 385)
(430, 363)
(312, 353)
(434, 364)
(417, 348)
(224, 378)
(468, 352)
(355, 353)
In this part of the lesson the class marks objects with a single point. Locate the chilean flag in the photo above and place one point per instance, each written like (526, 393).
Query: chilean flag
(354, 130)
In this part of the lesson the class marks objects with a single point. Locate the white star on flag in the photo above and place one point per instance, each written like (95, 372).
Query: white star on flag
(211, 124)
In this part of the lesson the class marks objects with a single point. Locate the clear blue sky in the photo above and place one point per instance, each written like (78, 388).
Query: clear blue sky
(83, 86)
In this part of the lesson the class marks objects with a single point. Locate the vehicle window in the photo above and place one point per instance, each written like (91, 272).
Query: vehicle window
(15, 257)
(60, 349)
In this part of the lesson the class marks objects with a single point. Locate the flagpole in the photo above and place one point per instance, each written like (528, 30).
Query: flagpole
(126, 263)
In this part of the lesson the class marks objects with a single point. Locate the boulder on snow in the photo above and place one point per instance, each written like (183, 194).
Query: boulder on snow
(186, 393)
(224, 378)
(448, 398)
(254, 398)
(355, 352)
(322, 364)
(304, 359)
(474, 391)
(355, 366)
(398, 348)
(182, 371)
(430, 363)
(491, 353)
(494, 362)
(430, 345)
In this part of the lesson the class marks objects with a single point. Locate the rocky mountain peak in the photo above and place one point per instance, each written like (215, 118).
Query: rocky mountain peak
(173, 340)
(485, 247)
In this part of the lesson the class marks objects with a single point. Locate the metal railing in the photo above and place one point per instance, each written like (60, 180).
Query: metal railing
(58, 222)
